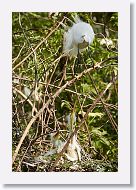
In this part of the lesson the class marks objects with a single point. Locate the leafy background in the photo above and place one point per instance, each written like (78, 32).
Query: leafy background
(37, 40)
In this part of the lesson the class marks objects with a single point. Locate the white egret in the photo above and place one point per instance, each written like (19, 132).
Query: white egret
(73, 149)
(77, 38)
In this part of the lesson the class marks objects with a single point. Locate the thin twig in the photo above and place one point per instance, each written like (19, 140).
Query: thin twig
(25, 97)
(68, 83)
(79, 126)
(44, 40)
(15, 59)
(86, 126)
(113, 123)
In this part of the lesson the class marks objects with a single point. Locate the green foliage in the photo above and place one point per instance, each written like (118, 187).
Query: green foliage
(41, 72)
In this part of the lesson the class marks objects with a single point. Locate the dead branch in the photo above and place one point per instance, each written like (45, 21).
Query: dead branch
(79, 126)
(68, 83)
(44, 40)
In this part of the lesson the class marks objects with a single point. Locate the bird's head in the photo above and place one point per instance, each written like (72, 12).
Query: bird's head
(84, 42)
(82, 34)
(77, 38)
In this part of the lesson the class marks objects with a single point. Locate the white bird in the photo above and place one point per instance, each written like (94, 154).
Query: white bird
(77, 38)
(73, 150)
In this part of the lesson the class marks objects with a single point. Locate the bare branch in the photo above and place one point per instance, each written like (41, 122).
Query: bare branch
(68, 83)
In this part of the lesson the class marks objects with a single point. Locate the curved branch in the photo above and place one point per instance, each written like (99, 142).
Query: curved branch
(68, 83)
(44, 40)
(82, 122)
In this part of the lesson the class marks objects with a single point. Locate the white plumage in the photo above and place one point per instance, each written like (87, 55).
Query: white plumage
(80, 35)
(73, 150)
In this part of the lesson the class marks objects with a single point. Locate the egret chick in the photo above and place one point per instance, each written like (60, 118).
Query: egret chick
(77, 38)
(73, 150)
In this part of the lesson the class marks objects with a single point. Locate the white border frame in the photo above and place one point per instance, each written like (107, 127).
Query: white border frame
(6, 174)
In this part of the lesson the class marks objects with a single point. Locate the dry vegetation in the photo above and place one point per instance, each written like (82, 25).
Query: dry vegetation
(48, 110)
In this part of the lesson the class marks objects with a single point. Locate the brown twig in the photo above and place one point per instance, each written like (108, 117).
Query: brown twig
(26, 98)
(79, 126)
(44, 40)
(86, 126)
(68, 83)
(113, 123)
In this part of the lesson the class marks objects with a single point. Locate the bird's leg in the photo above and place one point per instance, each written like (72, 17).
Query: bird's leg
(73, 69)
(90, 56)
(78, 56)
(64, 65)
(77, 63)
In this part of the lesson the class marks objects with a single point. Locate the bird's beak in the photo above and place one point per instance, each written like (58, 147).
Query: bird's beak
(84, 38)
